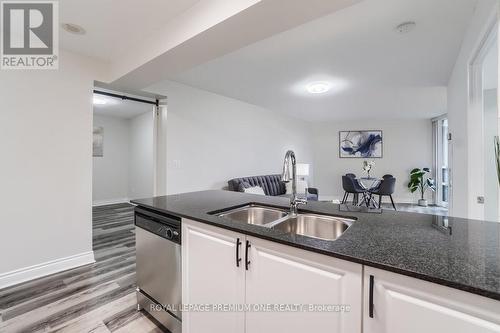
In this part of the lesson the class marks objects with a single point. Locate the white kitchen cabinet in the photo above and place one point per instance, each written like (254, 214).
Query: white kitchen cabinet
(280, 274)
(405, 304)
(210, 276)
(277, 275)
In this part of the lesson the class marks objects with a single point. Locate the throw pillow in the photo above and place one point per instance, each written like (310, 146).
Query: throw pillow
(243, 185)
(255, 190)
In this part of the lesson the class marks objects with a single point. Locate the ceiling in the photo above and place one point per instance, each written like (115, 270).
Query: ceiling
(208, 30)
(115, 26)
(115, 107)
(375, 72)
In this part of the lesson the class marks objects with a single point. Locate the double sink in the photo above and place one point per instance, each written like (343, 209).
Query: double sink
(305, 224)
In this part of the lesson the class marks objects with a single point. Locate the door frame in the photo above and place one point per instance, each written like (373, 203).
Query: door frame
(159, 112)
(475, 120)
(160, 148)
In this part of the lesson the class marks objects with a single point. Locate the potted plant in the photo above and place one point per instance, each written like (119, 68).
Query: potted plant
(419, 181)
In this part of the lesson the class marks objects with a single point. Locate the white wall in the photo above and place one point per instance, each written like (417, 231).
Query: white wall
(407, 145)
(465, 126)
(126, 170)
(110, 178)
(141, 158)
(46, 164)
(212, 138)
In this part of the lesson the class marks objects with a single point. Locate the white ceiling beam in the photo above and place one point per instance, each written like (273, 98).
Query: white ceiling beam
(209, 30)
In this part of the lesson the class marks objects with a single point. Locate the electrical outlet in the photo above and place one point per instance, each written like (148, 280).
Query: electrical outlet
(177, 164)
(480, 200)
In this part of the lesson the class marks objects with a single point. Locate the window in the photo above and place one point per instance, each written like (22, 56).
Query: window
(441, 165)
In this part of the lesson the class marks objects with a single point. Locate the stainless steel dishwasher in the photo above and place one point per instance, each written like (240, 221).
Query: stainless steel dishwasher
(158, 246)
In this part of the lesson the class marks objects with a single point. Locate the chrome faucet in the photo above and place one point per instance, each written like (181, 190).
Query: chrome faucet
(286, 177)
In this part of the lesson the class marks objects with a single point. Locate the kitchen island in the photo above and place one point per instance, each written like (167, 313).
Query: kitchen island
(461, 254)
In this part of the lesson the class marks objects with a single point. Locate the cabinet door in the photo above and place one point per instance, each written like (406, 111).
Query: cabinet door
(404, 304)
(210, 276)
(283, 275)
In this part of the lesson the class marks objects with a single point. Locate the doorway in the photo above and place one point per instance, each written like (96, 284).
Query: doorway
(123, 148)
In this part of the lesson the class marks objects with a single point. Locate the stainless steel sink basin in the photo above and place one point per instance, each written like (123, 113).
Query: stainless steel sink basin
(254, 214)
(305, 224)
(316, 226)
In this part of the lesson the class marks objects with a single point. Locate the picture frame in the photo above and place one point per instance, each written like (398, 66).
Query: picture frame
(361, 144)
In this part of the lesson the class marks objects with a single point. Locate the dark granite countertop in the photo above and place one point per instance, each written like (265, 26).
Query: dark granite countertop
(455, 252)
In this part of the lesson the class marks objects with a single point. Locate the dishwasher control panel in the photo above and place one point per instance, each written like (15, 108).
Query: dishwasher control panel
(166, 226)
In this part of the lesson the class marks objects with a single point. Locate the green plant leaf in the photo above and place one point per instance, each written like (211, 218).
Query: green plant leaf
(417, 175)
(414, 170)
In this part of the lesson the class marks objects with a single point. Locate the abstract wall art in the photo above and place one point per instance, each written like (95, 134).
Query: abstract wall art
(360, 144)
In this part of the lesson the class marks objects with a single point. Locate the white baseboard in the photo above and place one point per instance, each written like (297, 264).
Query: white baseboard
(36, 271)
(97, 203)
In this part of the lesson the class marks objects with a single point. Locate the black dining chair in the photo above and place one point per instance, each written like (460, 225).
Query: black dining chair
(350, 185)
(312, 194)
(386, 188)
(356, 183)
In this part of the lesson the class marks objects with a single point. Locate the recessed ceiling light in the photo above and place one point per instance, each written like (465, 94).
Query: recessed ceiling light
(405, 27)
(318, 87)
(99, 101)
(73, 28)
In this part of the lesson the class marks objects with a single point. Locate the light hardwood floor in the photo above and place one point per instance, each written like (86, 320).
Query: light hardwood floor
(412, 208)
(95, 298)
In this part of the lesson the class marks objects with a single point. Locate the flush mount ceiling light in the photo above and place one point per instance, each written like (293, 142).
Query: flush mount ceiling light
(405, 27)
(318, 87)
(73, 28)
(99, 100)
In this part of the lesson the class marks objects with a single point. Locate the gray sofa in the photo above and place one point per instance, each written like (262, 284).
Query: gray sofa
(271, 184)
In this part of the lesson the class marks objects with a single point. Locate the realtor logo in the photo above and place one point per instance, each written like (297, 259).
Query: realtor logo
(29, 36)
